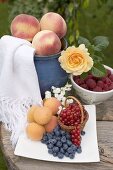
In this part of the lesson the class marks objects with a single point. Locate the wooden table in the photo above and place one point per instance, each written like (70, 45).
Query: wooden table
(105, 140)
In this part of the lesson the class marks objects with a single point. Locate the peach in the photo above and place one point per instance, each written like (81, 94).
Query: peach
(46, 43)
(42, 115)
(54, 22)
(53, 104)
(35, 131)
(51, 125)
(25, 26)
(30, 114)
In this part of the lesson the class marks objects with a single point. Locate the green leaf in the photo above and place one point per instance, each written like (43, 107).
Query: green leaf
(100, 43)
(71, 39)
(96, 58)
(71, 7)
(83, 75)
(98, 70)
(82, 40)
(85, 3)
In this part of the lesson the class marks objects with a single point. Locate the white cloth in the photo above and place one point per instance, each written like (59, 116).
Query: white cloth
(19, 86)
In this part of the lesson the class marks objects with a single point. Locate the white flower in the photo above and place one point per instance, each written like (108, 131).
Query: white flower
(59, 109)
(68, 85)
(59, 98)
(47, 94)
(63, 93)
(53, 87)
(56, 90)
(56, 95)
(68, 89)
(69, 101)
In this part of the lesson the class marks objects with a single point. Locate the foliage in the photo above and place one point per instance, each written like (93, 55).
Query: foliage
(3, 18)
(95, 48)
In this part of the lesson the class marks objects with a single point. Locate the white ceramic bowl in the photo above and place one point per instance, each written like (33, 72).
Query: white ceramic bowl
(91, 97)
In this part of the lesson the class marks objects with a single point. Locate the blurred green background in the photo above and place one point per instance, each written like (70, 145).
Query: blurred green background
(88, 18)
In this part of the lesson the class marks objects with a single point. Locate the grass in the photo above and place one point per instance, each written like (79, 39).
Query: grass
(2, 162)
(3, 19)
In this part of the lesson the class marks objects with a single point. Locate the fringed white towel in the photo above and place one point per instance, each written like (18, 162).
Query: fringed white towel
(19, 86)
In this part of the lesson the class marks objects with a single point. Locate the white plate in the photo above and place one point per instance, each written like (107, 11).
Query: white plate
(37, 150)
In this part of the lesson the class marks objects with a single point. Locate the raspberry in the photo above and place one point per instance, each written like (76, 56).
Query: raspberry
(103, 79)
(79, 81)
(76, 77)
(97, 89)
(111, 86)
(106, 87)
(90, 76)
(107, 81)
(84, 86)
(100, 84)
(108, 72)
(111, 77)
(91, 83)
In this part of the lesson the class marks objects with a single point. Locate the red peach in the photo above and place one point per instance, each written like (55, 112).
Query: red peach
(25, 26)
(54, 22)
(46, 43)
(51, 125)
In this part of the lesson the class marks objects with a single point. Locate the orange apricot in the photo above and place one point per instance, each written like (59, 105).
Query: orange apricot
(34, 131)
(53, 104)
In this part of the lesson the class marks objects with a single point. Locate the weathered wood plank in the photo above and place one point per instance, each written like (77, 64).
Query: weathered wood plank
(105, 139)
(105, 110)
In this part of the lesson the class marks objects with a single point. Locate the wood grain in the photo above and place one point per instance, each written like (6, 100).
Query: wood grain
(105, 110)
(105, 139)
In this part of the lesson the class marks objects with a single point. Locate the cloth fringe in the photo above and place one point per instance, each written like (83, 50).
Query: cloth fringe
(13, 113)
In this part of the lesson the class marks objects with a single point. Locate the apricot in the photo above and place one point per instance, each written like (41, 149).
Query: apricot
(53, 104)
(42, 115)
(30, 114)
(25, 26)
(51, 125)
(46, 43)
(35, 131)
(54, 22)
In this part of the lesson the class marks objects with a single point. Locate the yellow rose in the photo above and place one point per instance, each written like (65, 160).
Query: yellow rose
(76, 60)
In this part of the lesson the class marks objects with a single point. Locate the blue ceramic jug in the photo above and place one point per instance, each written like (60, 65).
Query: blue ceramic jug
(49, 71)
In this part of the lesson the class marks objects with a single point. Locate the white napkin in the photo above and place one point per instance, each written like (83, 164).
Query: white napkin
(19, 86)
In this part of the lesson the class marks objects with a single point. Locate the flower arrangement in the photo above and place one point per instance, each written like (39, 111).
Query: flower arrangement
(86, 57)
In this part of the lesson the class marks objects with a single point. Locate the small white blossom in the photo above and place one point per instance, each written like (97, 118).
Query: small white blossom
(70, 101)
(57, 90)
(53, 87)
(47, 94)
(59, 109)
(64, 98)
(63, 93)
(56, 95)
(68, 85)
(68, 89)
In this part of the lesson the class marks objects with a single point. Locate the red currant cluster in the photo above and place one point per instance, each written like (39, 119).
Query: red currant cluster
(71, 116)
(76, 136)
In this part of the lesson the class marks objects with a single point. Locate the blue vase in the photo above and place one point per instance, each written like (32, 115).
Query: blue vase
(49, 71)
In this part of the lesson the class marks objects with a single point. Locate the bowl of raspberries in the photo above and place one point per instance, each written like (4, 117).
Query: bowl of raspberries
(94, 90)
